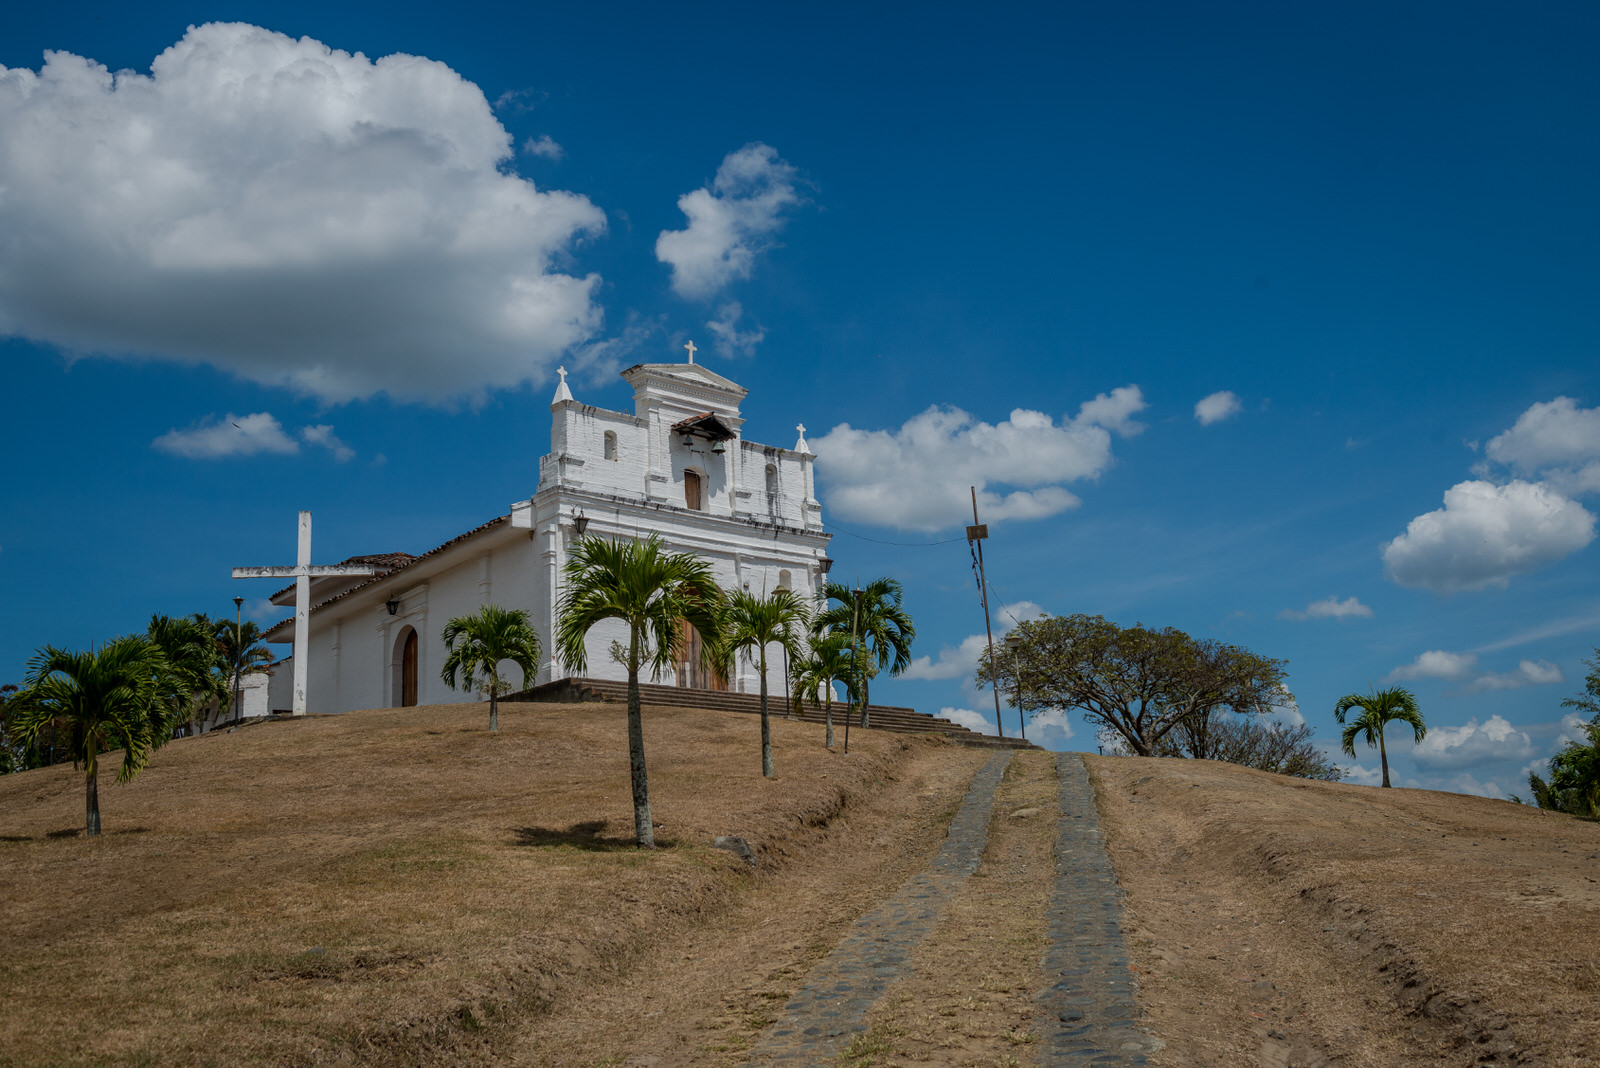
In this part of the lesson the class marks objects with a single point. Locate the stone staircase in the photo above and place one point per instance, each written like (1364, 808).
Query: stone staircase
(880, 717)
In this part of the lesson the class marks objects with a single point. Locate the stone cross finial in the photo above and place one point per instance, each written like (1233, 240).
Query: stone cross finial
(563, 392)
(690, 347)
(801, 446)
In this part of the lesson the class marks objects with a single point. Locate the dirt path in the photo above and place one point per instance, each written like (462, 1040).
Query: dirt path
(703, 998)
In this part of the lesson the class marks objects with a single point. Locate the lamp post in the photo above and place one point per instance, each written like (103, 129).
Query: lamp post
(238, 653)
(1014, 646)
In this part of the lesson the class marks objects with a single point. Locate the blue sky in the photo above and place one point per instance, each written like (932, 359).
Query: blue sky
(1017, 246)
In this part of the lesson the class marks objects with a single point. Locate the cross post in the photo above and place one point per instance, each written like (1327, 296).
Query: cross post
(303, 572)
(690, 347)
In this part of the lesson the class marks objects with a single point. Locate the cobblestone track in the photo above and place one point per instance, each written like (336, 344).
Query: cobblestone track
(1089, 1013)
(833, 1003)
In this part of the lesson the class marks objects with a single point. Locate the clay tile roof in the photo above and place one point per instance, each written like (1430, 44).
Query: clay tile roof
(707, 423)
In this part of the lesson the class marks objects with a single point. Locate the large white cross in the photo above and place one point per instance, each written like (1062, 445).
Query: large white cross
(302, 573)
(690, 347)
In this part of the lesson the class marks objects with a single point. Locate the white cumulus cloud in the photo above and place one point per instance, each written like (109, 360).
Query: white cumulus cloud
(730, 222)
(296, 215)
(1220, 405)
(730, 340)
(1486, 533)
(232, 435)
(1555, 433)
(1528, 673)
(917, 477)
(324, 436)
(1449, 748)
(1436, 664)
(1329, 608)
(961, 661)
(545, 147)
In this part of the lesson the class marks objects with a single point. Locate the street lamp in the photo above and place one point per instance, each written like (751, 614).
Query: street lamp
(238, 615)
(1014, 646)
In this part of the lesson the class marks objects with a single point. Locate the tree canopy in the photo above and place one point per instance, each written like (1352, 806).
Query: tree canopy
(1574, 783)
(114, 697)
(486, 638)
(649, 590)
(1139, 683)
(882, 630)
(1379, 708)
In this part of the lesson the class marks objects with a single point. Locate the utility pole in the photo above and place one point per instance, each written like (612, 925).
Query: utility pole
(975, 535)
(238, 609)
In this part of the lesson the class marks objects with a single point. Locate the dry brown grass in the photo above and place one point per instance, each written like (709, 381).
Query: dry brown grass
(387, 886)
(1277, 921)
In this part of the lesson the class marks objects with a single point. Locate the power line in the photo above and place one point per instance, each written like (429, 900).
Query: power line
(898, 544)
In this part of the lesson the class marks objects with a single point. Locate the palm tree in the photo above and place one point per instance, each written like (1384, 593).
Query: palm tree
(1378, 709)
(199, 673)
(242, 650)
(751, 622)
(114, 697)
(493, 635)
(814, 672)
(649, 590)
(883, 630)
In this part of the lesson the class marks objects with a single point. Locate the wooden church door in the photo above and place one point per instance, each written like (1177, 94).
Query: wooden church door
(408, 672)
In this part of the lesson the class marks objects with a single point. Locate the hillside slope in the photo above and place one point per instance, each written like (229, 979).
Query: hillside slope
(1277, 921)
(401, 885)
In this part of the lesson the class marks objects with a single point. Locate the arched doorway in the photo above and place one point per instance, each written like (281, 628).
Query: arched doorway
(404, 667)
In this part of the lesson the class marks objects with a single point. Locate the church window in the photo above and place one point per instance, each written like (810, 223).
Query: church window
(694, 490)
(772, 480)
(785, 580)
(611, 444)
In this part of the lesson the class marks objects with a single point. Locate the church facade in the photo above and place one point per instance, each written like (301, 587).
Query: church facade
(677, 466)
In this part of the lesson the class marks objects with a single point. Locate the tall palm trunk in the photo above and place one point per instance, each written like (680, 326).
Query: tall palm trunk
(494, 703)
(828, 714)
(643, 831)
(1383, 755)
(766, 727)
(91, 793)
(866, 699)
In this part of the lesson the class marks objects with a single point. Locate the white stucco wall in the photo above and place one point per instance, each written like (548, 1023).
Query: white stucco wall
(757, 527)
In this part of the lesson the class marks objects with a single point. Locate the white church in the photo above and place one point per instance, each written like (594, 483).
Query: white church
(677, 466)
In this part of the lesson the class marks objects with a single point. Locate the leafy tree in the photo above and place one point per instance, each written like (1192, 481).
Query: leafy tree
(115, 697)
(882, 629)
(1589, 700)
(751, 622)
(1574, 784)
(649, 590)
(197, 673)
(1264, 744)
(1378, 708)
(242, 651)
(493, 635)
(827, 659)
(1138, 683)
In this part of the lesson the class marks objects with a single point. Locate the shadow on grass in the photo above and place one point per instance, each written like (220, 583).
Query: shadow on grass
(588, 835)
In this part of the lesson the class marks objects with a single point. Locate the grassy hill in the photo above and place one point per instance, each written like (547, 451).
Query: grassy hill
(1278, 921)
(386, 885)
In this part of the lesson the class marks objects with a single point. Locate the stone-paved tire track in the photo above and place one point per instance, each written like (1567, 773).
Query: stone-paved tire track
(1089, 1015)
(833, 1003)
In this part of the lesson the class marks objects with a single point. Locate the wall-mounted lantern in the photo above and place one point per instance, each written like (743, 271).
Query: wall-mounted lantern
(392, 604)
(824, 565)
(580, 522)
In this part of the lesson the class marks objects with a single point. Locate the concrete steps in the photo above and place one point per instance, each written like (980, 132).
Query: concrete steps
(880, 717)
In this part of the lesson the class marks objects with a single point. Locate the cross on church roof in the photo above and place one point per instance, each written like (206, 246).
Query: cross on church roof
(690, 347)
